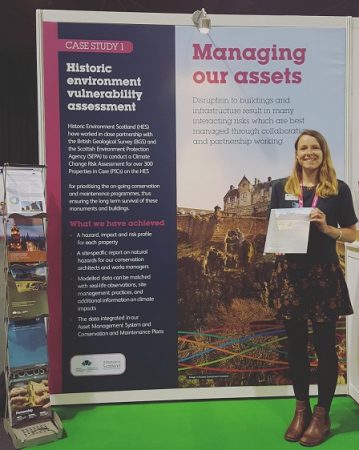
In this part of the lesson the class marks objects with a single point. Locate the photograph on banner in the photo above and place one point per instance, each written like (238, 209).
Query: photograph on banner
(25, 192)
(244, 94)
(25, 240)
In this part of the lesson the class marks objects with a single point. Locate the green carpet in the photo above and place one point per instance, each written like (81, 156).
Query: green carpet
(220, 424)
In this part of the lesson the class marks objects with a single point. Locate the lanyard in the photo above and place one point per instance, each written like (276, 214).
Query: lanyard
(301, 201)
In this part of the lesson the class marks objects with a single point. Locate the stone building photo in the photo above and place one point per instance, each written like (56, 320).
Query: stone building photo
(248, 199)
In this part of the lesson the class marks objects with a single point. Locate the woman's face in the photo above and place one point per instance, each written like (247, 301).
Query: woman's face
(309, 154)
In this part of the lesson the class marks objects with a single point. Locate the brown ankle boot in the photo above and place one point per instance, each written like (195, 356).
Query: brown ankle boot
(318, 429)
(300, 421)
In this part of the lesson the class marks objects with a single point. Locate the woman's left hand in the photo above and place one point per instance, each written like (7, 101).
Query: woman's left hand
(319, 219)
(344, 234)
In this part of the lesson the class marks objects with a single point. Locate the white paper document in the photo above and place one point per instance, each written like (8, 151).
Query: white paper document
(288, 230)
(25, 192)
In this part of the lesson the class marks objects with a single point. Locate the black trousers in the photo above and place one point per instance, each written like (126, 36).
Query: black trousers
(324, 344)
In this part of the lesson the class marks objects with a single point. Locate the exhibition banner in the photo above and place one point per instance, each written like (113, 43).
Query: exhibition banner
(243, 96)
(161, 146)
(116, 200)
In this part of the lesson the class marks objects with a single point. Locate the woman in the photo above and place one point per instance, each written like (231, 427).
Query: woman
(312, 286)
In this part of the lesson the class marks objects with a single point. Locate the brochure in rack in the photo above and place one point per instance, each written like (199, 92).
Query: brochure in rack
(25, 240)
(28, 395)
(27, 343)
(25, 192)
(27, 290)
(2, 204)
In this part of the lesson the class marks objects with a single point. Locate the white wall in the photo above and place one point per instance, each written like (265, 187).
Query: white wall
(352, 271)
(352, 250)
(353, 166)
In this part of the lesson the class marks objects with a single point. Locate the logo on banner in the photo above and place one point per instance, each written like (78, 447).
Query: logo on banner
(96, 365)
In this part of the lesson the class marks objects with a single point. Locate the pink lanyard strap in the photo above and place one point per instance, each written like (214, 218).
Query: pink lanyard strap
(301, 201)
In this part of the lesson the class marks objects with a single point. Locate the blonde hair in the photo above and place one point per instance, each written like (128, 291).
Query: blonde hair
(328, 183)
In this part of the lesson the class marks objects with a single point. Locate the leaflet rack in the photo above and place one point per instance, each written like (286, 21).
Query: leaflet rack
(29, 419)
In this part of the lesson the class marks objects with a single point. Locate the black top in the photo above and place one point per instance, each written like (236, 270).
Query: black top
(339, 210)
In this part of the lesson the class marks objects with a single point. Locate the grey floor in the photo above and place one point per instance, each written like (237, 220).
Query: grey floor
(5, 441)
